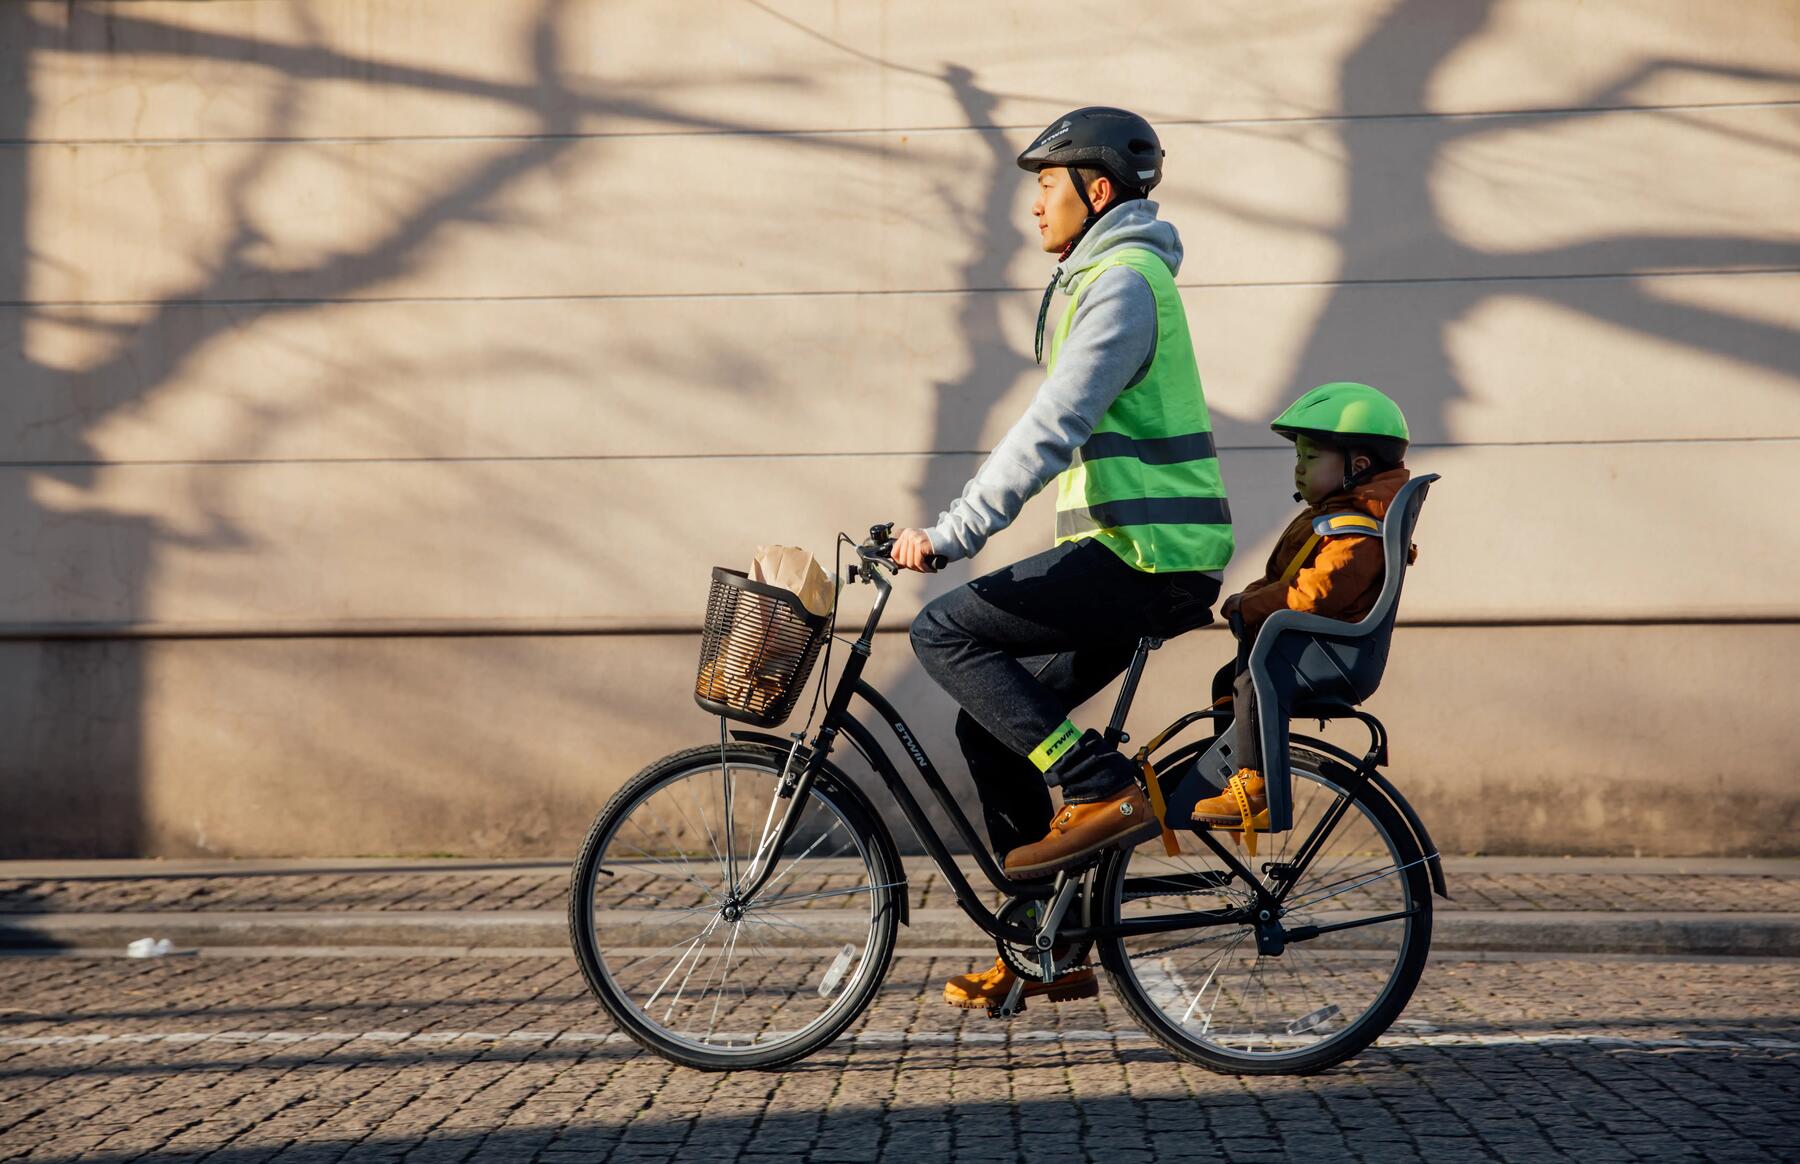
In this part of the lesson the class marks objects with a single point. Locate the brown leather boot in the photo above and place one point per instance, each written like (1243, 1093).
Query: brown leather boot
(1081, 830)
(987, 988)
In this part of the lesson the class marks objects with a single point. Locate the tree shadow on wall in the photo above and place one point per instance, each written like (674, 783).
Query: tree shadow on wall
(1396, 65)
(77, 693)
(76, 704)
(1392, 219)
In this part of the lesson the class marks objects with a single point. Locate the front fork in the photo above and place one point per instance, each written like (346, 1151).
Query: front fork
(794, 786)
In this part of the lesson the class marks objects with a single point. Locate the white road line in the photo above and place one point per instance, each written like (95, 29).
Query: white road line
(867, 1039)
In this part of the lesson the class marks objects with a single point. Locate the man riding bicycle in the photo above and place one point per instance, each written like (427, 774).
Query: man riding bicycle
(1143, 531)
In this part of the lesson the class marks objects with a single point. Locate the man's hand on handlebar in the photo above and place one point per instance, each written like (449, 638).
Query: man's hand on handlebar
(912, 550)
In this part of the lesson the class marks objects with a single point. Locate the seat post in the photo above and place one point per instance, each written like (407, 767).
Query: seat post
(1115, 730)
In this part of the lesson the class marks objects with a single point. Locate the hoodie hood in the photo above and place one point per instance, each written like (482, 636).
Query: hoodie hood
(1129, 224)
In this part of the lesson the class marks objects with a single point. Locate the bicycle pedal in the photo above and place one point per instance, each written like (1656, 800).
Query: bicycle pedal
(1012, 1004)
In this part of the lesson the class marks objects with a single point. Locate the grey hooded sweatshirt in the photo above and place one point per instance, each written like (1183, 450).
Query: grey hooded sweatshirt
(1111, 341)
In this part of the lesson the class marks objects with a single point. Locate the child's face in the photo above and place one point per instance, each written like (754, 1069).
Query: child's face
(1318, 471)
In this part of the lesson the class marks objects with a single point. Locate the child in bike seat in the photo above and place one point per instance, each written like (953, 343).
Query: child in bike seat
(1350, 444)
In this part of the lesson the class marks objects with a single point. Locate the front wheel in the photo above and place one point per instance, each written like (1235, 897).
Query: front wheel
(689, 966)
(1212, 995)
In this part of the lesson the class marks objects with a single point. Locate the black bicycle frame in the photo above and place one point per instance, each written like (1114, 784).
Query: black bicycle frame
(838, 720)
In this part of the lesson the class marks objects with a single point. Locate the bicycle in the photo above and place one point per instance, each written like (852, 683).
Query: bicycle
(760, 860)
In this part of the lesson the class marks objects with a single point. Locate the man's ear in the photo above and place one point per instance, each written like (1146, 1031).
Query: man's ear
(1100, 192)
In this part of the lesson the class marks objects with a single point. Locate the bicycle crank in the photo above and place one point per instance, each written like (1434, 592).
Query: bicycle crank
(1029, 962)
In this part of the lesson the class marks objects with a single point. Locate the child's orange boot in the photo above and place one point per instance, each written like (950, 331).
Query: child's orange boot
(1244, 797)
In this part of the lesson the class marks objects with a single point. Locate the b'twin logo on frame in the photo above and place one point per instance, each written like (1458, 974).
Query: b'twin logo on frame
(912, 745)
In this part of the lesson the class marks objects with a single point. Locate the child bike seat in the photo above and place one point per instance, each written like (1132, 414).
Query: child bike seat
(1302, 665)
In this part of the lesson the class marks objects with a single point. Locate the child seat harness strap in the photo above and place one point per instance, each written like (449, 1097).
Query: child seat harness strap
(1331, 525)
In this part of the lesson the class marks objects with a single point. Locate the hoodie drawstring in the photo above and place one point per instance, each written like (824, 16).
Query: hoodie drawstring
(1044, 312)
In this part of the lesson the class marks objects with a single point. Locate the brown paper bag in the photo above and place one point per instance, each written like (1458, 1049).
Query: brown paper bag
(793, 568)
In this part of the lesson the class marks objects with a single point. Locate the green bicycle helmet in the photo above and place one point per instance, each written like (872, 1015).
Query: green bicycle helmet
(1344, 414)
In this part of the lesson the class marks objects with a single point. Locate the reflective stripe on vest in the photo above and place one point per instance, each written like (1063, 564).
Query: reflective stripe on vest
(1146, 483)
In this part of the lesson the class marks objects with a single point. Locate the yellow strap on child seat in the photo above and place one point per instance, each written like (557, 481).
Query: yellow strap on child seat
(1293, 567)
(1331, 525)
(1235, 786)
(1170, 845)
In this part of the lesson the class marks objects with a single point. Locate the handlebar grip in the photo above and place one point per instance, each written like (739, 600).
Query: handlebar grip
(936, 561)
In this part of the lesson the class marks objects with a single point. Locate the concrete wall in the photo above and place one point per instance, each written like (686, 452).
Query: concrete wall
(461, 342)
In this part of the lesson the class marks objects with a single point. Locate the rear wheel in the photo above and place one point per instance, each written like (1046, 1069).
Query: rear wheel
(1211, 996)
(689, 967)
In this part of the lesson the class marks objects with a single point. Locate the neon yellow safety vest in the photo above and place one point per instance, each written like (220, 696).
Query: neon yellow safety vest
(1146, 483)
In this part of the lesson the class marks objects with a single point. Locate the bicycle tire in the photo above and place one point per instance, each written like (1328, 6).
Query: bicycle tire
(864, 833)
(1194, 1041)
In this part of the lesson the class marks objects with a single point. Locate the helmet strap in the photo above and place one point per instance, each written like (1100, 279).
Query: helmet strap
(1081, 190)
(1087, 204)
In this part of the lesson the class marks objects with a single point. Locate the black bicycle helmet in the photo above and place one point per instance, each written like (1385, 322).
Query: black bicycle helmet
(1116, 141)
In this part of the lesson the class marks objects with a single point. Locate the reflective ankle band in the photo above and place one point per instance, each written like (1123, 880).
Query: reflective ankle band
(1054, 745)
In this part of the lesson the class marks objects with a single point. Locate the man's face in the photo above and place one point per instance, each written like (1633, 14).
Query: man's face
(1318, 471)
(1058, 208)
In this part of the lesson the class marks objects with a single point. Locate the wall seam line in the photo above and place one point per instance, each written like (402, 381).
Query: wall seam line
(1553, 112)
(847, 293)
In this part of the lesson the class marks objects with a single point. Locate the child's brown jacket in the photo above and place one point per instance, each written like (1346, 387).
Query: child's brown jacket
(1342, 576)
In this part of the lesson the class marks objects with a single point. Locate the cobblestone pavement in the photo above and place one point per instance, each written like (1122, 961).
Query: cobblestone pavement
(245, 1059)
(543, 887)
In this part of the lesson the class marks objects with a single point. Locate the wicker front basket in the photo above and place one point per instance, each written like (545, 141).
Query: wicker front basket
(757, 649)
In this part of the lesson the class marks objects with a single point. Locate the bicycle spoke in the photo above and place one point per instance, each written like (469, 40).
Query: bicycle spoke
(1211, 978)
(1382, 875)
(724, 977)
(663, 985)
(657, 953)
(776, 920)
(764, 902)
(689, 876)
(711, 840)
(787, 871)
(1331, 871)
(731, 881)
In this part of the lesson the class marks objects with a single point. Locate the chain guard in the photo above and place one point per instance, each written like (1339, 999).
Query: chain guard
(1023, 960)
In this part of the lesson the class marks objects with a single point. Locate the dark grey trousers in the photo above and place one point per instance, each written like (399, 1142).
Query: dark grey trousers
(1023, 647)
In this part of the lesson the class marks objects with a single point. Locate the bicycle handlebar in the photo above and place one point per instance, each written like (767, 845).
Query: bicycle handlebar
(879, 549)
